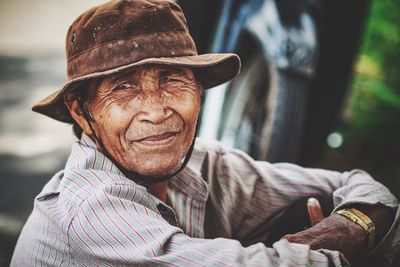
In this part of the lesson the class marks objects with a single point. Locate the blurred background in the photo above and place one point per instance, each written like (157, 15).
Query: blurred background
(362, 131)
(368, 134)
(32, 65)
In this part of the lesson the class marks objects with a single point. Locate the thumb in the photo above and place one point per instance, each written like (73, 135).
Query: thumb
(314, 211)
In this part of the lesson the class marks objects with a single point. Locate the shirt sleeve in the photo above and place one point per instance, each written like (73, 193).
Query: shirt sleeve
(254, 193)
(117, 226)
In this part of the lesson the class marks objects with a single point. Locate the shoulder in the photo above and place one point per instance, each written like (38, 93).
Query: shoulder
(85, 182)
(208, 145)
(92, 189)
(215, 159)
(110, 198)
(214, 148)
(216, 151)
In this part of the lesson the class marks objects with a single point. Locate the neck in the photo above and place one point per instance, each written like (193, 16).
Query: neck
(159, 190)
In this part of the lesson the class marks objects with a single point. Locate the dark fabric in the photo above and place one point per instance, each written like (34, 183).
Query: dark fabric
(296, 218)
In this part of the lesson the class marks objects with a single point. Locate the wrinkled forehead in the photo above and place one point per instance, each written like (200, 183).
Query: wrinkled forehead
(153, 70)
(138, 73)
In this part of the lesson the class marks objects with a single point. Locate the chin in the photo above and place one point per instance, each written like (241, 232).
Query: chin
(157, 169)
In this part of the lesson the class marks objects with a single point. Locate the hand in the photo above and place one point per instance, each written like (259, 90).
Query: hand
(334, 232)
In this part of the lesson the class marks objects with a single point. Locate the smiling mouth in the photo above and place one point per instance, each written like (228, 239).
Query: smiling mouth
(155, 140)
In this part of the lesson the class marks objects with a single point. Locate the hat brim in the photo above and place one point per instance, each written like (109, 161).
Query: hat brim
(210, 69)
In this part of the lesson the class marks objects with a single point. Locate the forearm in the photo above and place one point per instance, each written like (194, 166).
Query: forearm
(341, 233)
(229, 252)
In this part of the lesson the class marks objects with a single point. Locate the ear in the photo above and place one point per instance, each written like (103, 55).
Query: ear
(76, 112)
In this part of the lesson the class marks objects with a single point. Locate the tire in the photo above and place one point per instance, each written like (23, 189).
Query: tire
(264, 112)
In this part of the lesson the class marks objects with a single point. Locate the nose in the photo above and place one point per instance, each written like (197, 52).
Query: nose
(154, 111)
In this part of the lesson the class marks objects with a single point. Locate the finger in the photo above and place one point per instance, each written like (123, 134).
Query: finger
(314, 211)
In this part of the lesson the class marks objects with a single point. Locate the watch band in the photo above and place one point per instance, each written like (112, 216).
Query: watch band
(362, 220)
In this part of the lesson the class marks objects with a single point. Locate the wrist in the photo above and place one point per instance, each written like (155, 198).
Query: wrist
(352, 238)
(382, 216)
(361, 220)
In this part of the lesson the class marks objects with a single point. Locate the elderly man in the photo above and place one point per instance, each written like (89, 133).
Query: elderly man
(139, 189)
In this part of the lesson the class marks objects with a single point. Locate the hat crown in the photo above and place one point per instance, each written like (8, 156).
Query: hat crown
(120, 32)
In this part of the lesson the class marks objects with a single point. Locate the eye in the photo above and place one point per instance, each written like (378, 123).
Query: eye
(165, 80)
(171, 79)
(125, 86)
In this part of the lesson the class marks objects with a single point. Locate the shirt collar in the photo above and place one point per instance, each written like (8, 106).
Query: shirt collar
(190, 180)
(85, 155)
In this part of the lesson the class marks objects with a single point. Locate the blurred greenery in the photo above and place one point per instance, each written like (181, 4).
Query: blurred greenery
(371, 128)
(374, 106)
(382, 41)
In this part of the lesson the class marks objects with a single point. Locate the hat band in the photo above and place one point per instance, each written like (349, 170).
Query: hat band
(123, 52)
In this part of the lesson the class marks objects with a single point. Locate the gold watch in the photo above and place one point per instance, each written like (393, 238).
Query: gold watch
(362, 220)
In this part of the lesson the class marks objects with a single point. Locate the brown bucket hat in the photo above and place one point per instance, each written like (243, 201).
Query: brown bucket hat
(122, 34)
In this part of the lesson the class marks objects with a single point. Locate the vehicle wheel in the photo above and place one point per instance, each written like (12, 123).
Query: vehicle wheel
(264, 112)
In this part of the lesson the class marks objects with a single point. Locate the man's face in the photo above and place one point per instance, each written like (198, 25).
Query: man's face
(146, 118)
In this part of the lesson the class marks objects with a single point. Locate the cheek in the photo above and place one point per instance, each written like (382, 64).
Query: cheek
(114, 119)
(116, 114)
(189, 112)
(190, 109)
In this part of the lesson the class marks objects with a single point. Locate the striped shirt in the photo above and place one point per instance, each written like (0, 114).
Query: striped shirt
(90, 214)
